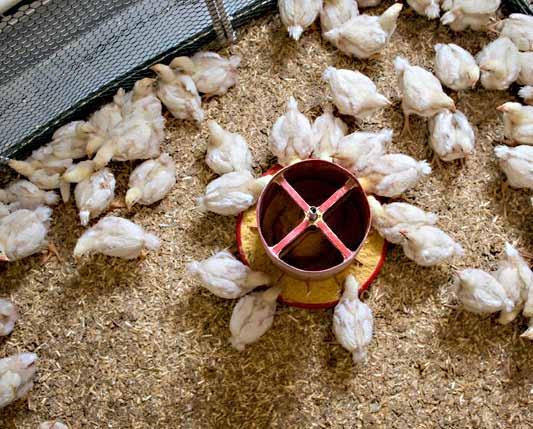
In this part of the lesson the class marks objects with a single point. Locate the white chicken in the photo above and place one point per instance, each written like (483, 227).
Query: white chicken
(212, 74)
(226, 151)
(44, 178)
(359, 150)
(232, 193)
(117, 237)
(8, 317)
(252, 316)
(141, 99)
(422, 92)
(70, 141)
(76, 173)
(392, 174)
(517, 164)
(177, 91)
(23, 233)
(516, 278)
(27, 196)
(151, 181)
(225, 276)
(499, 64)
(427, 245)
(391, 219)
(429, 8)
(517, 122)
(365, 35)
(137, 136)
(354, 93)
(519, 28)
(525, 77)
(451, 136)
(328, 131)
(297, 15)
(481, 293)
(455, 67)
(336, 12)
(474, 14)
(94, 195)
(291, 138)
(16, 377)
(100, 125)
(526, 93)
(53, 424)
(353, 322)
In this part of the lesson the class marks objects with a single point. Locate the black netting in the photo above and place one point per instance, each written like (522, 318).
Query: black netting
(62, 58)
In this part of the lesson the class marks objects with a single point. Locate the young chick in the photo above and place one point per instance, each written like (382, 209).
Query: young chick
(428, 245)
(8, 317)
(94, 195)
(422, 92)
(519, 28)
(117, 237)
(358, 151)
(499, 64)
(481, 293)
(474, 14)
(16, 377)
(451, 136)
(23, 232)
(43, 178)
(526, 93)
(225, 276)
(141, 100)
(291, 138)
(429, 8)
(354, 93)
(27, 195)
(70, 141)
(100, 125)
(137, 136)
(365, 35)
(393, 174)
(517, 164)
(151, 181)
(177, 91)
(76, 173)
(252, 316)
(516, 278)
(336, 12)
(328, 131)
(232, 193)
(455, 67)
(525, 77)
(353, 321)
(517, 122)
(297, 15)
(53, 424)
(212, 74)
(227, 152)
(391, 219)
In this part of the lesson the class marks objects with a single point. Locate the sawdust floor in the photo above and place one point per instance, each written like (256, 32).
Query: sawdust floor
(139, 345)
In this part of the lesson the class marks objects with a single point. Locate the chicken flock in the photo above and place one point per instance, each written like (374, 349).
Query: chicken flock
(132, 127)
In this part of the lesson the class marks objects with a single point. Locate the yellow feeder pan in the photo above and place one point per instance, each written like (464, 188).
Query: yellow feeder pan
(310, 292)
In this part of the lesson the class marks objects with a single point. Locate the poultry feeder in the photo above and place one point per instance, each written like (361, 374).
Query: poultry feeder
(309, 230)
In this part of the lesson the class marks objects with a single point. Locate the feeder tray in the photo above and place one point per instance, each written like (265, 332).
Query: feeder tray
(309, 231)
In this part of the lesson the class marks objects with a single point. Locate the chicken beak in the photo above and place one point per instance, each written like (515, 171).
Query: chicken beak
(502, 108)
(3, 258)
